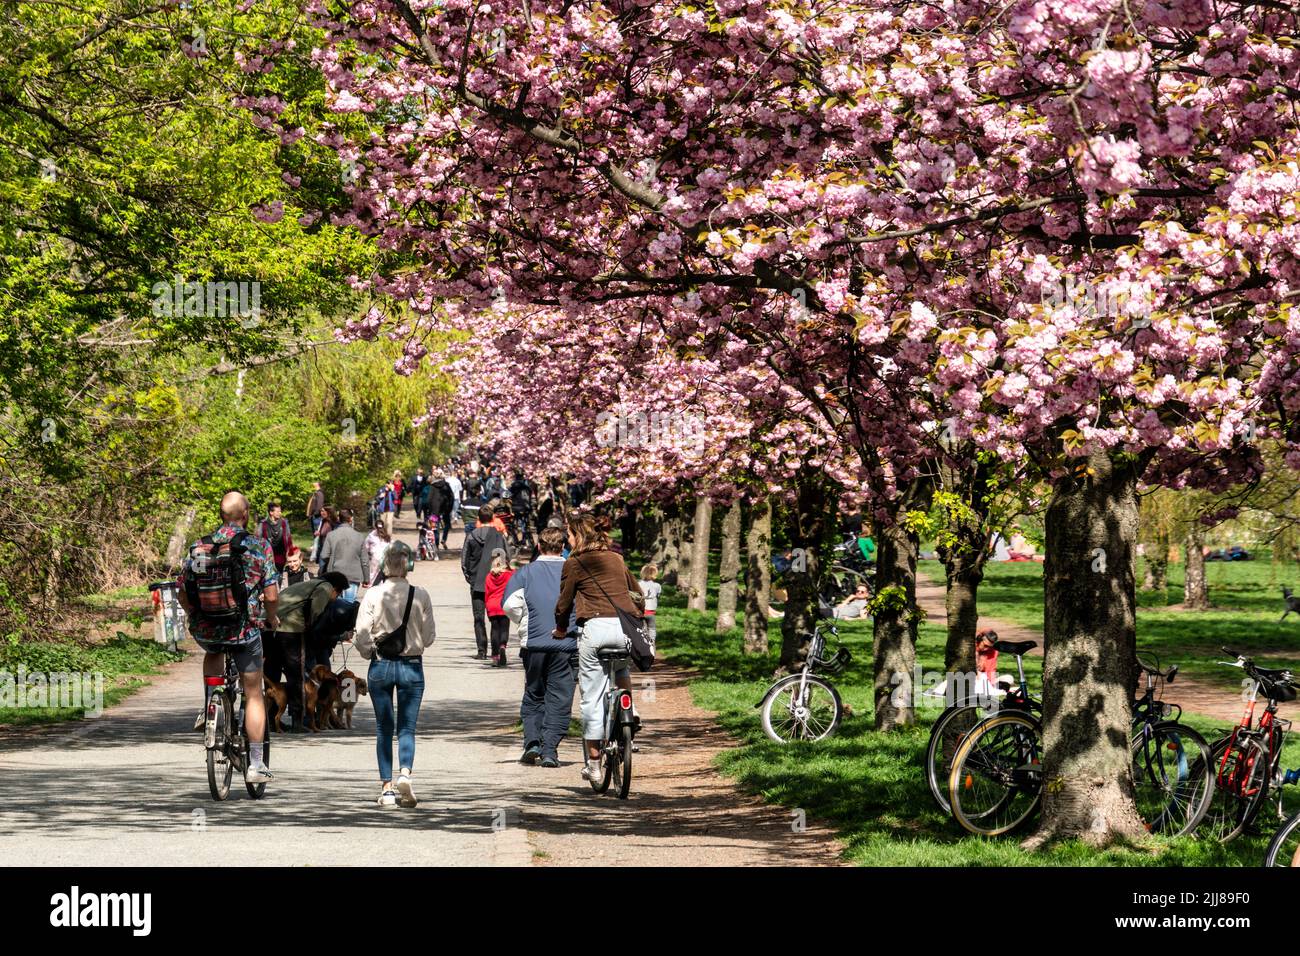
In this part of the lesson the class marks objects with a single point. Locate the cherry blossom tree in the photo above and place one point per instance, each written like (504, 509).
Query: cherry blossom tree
(1065, 226)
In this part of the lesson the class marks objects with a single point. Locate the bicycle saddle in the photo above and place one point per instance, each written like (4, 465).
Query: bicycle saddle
(1015, 647)
(611, 655)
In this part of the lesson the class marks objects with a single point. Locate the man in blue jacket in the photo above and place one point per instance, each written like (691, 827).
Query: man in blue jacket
(549, 672)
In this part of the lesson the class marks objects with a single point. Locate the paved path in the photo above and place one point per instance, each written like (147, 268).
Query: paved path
(129, 788)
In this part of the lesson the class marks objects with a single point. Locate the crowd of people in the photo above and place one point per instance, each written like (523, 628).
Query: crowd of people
(560, 585)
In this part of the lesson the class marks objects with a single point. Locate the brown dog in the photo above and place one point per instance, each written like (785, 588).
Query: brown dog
(323, 692)
(343, 711)
(277, 701)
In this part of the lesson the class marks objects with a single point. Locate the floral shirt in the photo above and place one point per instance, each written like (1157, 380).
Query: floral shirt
(259, 573)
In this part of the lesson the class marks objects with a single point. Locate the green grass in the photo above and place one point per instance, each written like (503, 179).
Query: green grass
(1247, 604)
(870, 787)
(124, 662)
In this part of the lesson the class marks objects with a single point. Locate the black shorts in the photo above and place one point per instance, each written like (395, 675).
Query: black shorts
(247, 656)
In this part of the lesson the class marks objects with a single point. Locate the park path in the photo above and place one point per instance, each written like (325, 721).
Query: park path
(1193, 696)
(129, 788)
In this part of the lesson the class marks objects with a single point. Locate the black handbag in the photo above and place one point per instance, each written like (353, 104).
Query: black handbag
(391, 645)
(634, 629)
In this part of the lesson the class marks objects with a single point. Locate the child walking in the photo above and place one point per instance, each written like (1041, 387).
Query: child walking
(650, 588)
(494, 590)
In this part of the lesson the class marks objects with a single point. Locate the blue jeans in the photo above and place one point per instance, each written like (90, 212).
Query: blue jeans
(406, 677)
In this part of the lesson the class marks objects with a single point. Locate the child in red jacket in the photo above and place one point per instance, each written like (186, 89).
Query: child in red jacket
(494, 590)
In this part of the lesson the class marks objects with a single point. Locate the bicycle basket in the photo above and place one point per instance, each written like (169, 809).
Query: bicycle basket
(836, 662)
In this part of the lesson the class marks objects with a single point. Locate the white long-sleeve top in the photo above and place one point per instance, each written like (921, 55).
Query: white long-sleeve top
(381, 612)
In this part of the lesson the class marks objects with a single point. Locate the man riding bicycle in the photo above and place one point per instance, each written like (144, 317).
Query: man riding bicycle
(228, 587)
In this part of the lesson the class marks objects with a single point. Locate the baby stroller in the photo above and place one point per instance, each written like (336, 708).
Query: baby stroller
(428, 547)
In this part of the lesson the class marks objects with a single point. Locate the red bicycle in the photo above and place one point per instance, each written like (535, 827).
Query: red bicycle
(1247, 762)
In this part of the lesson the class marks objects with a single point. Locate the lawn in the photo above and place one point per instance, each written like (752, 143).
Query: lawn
(870, 786)
(1247, 604)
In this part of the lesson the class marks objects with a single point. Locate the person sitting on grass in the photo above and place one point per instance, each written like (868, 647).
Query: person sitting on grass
(854, 608)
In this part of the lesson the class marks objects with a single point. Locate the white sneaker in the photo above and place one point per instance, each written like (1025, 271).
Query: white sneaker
(592, 770)
(258, 773)
(387, 799)
(405, 792)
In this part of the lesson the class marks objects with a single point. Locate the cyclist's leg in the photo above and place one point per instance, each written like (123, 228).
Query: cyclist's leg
(248, 661)
(593, 679)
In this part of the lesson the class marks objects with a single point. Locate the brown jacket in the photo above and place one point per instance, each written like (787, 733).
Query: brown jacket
(599, 589)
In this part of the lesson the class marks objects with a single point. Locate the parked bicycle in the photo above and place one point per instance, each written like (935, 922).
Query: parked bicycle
(967, 710)
(1172, 780)
(995, 783)
(1247, 762)
(806, 706)
(224, 737)
(1284, 848)
(620, 726)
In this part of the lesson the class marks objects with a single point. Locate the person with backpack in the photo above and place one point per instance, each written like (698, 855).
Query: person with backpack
(274, 530)
(475, 565)
(228, 588)
(549, 672)
(394, 628)
(595, 585)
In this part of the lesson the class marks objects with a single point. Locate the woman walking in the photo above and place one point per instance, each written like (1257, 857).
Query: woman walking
(394, 627)
(597, 582)
(377, 543)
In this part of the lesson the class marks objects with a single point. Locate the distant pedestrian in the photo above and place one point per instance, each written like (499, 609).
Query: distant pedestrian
(651, 588)
(315, 513)
(475, 565)
(344, 552)
(274, 530)
(377, 543)
(494, 589)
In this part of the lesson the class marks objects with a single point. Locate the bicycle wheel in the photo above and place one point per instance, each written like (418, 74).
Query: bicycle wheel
(623, 761)
(787, 717)
(996, 782)
(945, 737)
(1284, 848)
(1240, 773)
(220, 768)
(1172, 781)
(607, 769)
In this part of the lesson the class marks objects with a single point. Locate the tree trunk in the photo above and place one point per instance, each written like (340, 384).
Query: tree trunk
(699, 594)
(808, 526)
(650, 534)
(758, 576)
(671, 563)
(895, 622)
(1090, 662)
(179, 538)
(964, 574)
(1196, 593)
(729, 568)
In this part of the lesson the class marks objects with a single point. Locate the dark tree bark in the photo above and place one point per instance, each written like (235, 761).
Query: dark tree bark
(1089, 667)
(671, 561)
(896, 618)
(1196, 591)
(698, 599)
(729, 568)
(964, 574)
(758, 576)
(809, 525)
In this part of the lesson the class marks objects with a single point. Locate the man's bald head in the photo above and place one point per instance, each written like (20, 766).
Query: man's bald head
(234, 508)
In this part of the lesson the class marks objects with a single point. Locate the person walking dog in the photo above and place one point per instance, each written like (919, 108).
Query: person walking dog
(394, 628)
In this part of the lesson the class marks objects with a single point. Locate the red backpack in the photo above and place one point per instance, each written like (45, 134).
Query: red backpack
(214, 583)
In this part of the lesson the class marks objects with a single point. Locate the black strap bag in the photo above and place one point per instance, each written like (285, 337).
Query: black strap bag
(391, 645)
(634, 629)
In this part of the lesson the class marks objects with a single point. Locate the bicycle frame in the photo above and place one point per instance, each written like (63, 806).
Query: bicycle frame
(1270, 733)
(229, 687)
